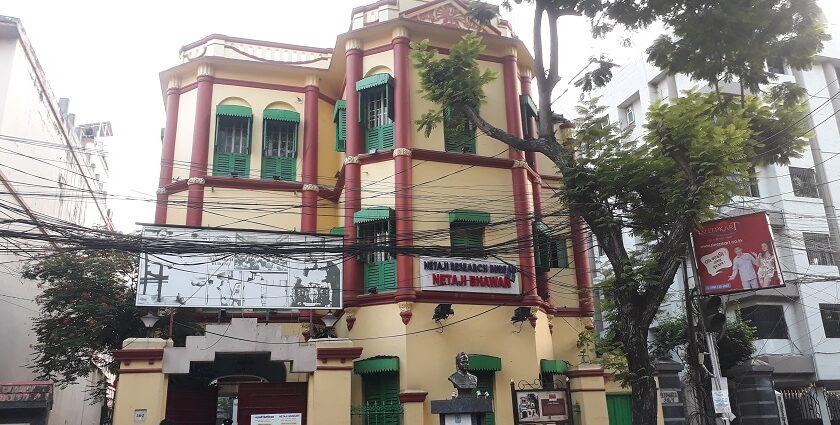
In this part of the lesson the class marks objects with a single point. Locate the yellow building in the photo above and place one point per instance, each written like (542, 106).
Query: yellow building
(277, 137)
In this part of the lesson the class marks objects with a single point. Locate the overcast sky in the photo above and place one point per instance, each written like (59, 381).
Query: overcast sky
(106, 55)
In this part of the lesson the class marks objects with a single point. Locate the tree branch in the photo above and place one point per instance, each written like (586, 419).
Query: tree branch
(549, 148)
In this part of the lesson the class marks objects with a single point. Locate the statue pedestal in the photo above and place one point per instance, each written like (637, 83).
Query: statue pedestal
(462, 410)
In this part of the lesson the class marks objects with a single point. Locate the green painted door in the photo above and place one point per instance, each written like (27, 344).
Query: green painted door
(620, 409)
(485, 385)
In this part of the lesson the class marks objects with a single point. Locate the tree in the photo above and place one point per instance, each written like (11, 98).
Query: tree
(735, 343)
(695, 154)
(86, 310)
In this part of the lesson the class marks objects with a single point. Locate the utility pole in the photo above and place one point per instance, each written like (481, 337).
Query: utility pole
(694, 366)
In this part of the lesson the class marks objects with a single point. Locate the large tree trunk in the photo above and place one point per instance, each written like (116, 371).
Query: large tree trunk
(644, 394)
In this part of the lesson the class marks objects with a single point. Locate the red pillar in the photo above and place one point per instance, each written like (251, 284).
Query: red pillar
(402, 167)
(521, 201)
(536, 184)
(309, 212)
(200, 147)
(167, 155)
(352, 172)
(583, 271)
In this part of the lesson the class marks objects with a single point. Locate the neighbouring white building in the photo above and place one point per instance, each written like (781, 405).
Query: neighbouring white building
(799, 325)
(47, 172)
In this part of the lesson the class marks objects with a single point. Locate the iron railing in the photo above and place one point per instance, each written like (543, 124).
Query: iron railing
(377, 413)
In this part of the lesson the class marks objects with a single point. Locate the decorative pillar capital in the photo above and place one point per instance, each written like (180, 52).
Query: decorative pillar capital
(399, 33)
(311, 80)
(173, 85)
(161, 191)
(352, 160)
(204, 70)
(405, 311)
(518, 163)
(196, 180)
(526, 73)
(402, 152)
(310, 187)
(511, 53)
(352, 44)
(538, 180)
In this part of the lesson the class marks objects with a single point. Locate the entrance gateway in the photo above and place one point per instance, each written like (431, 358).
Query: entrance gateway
(238, 376)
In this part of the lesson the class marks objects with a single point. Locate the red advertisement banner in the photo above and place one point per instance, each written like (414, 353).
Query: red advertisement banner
(736, 254)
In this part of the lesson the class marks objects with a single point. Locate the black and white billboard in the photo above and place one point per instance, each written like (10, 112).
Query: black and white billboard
(228, 278)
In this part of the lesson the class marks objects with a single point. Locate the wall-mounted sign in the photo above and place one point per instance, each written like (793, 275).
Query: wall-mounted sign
(462, 275)
(277, 419)
(225, 280)
(669, 397)
(736, 254)
(540, 406)
(139, 415)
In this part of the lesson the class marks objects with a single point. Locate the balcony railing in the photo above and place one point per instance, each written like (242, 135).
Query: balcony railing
(256, 50)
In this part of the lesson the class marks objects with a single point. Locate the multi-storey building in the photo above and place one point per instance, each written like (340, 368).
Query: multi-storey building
(46, 174)
(798, 326)
(276, 137)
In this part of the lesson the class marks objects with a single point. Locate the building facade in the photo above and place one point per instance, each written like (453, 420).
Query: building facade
(276, 137)
(797, 326)
(45, 171)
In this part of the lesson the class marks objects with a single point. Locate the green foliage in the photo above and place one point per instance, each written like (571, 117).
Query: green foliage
(735, 345)
(86, 310)
(669, 335)
(696, 153)
(747, 33)
(450, 81)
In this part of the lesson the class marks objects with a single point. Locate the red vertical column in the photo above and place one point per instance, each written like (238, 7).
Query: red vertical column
(167, 155)
(309, 212)
(352, 171)
(536, 183)
(521, 201)
(402, 164)
(200, 145)
(583, 271)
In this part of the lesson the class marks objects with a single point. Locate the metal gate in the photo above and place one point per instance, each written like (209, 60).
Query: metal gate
(802, 406)
(832, 398)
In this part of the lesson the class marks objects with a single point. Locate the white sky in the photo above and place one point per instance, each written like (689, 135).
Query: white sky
(106, 55)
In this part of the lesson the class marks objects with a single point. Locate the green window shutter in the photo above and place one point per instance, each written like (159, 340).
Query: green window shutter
(340, 120)
(485, 385)
(221, 164)
(338, 231)
(466, 239)
(278, 168)
(542, 247)
(372, 84)
(381, 137)
(241, 165)
(381, 275)
(458, 133)
(528, 109)
(560, 253)
(231, 164)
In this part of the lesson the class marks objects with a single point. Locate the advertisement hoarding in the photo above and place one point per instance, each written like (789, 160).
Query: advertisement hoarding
(462, 275)
(225, 280)
(736, 254)
(541, 406)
